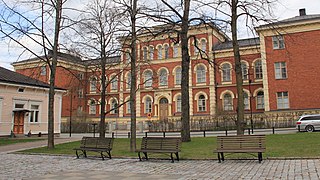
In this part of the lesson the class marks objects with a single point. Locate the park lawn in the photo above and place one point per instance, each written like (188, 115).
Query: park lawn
(304, 145)
(8, 141)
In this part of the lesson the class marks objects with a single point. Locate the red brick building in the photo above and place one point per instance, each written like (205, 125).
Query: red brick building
(280, 69)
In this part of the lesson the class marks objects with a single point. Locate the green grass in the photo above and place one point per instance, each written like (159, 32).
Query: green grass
(289, 145)
(8, 141)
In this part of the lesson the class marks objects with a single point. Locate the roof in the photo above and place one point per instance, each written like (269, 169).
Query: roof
(242, 43)
(7, 76)
(293, 20)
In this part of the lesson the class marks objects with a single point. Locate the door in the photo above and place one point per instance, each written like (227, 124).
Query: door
(18, 122)
(163, 114)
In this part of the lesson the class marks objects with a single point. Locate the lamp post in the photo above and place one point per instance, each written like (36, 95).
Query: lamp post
(251, 121)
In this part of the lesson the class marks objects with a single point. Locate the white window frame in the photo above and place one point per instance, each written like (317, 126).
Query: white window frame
(128, 56)
(178, 104)
(128, 107)
(229, 106)
(280, 70)
(260, 100)
(175, 50)
(34, 112)
(128, 79)
(258, 69)
(145, 53)
(195, 49)
(43, 70)
(166, 51)
(159, 51)
(148, 80)
(278, 42)
(80, 93)
(201, 74)
(203, 45)
(226, 73)
(148, 105)
(114, 104)
(244, 70)
(151, 53)
(114, 83)
(163, 77)
(92, 107)
(93, 85)
(283, 100)
(201, 103)
(178, 75)
(246, 101)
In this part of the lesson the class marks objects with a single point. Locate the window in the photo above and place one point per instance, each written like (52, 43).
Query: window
(280, 70)
(128, 57)
(175, 50)
(21, 90)
(282, 100)
(202, 103)
(244, 70)
(19, 106)
(178, 76)
(80, 76)
(226, 72)
(43, 70)
(148, 78)
(201, 74)
(148, 105)
(163, 78)
(129, 80)
(114, 107)
(93, 84)
(203, 45)
(34, 113)
(128, 107)
(114, 83)
(145, 53)
(195, 48)
(166, 51)
(151, 53)
(160, 52)
(178, 105)
(92, 107)
(227, 102)
(278, 42)
(258, 69)
(80, 109)
(80, 93)
(260, 100)
(246, 101)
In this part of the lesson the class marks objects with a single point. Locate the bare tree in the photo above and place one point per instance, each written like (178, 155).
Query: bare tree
(17, 25)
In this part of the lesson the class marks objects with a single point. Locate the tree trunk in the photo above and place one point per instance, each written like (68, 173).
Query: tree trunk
(185, 104)
(133, 86)
(102, 127)
(53, 74)
(239, 80)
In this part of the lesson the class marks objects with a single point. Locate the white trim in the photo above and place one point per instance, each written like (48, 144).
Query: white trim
(1, 99)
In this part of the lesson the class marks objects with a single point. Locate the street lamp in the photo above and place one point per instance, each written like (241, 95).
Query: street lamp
(251, 121)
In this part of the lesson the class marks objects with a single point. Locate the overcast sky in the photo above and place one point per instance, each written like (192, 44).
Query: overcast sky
(285, 9)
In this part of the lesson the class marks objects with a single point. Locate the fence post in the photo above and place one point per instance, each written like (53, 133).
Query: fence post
(164, 134)
(249, 131)
(226, 132)
(128, 134)
(272, 130)
(204, 133)
(112, 134)
(146, 134)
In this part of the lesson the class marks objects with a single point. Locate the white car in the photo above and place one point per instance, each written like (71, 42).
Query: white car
(309, 123)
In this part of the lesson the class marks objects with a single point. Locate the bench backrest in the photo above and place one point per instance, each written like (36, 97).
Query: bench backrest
(96, 142)
(161, 143)
(241, 142)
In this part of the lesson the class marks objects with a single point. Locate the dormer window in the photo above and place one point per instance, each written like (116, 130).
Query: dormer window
(20, 90)
(43, 70)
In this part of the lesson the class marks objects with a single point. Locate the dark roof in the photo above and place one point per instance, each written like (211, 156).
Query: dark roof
(242, 43)
(293, 20)
(12, 77)
(109, 60)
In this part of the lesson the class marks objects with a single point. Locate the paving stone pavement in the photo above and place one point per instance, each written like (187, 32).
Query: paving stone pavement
(19, 166)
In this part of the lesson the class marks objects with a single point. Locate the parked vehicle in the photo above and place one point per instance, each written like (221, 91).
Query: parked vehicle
(309, 123)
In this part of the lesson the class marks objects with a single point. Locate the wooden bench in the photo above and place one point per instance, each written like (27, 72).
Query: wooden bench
(160, 145)
(95, 144)
(241, 144)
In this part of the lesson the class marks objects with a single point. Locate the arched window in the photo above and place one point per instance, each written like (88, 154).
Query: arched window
(195, 47)
(226, 72)
(114, 82)
(151, 53)
(244, 69)
(145, 53)
(93, 84)
(128, 107)
(159, 52)
(258, 69)
(129, 80)
(128, 57)
(166, 51)
(148, 78)
(148, 105)
(175, 50)
(178, 76)
(202, 103)
(260, 100)
(227, 102)
(178, 103)
(114, 107)
(246, 101)
(201, 74)
(203, 45)
(163, 78)
(92, 107)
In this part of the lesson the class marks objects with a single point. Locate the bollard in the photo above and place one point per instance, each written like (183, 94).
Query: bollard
(112, 134)
(272, 130)
(249, 131)
(164, 134)
(298, 128)
(204, 133)
(226, 132)
(128, 134)
(146, 134)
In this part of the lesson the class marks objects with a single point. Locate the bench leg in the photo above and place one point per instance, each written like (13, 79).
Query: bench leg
(139, 156)
(177, 155)
(102, 156)
(109, 154)
(146, 155)
(172, 160)
(222, 156)
(260, 157)
(77, 154)
(84, 153)
(219, 157)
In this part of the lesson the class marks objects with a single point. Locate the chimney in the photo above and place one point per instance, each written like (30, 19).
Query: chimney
(302, 12)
